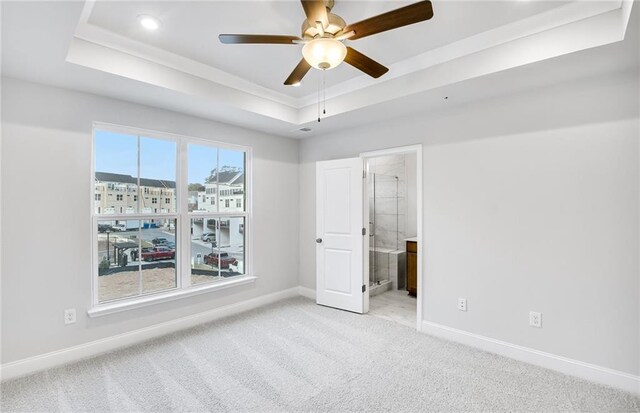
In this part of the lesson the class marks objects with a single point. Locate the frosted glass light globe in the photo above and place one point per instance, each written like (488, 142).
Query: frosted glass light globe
(324, 53)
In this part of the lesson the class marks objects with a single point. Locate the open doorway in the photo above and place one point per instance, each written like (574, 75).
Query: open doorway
(346, 253)
(392, 195)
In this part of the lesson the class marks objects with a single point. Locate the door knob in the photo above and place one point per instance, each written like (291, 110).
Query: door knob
(319, 240)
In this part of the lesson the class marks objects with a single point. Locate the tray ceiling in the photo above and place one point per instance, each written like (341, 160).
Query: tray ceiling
(100, 48)
(190, 30)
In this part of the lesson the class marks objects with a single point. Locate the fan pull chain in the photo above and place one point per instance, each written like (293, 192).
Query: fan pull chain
(322, 86)
(324, 93)
(319, 84)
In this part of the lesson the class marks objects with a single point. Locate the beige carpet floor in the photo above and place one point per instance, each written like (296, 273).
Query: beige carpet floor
(296, 356)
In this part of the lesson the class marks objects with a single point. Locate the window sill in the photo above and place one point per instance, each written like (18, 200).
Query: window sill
(116, 307)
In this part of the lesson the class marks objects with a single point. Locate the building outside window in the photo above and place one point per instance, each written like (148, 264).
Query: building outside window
(139, 251)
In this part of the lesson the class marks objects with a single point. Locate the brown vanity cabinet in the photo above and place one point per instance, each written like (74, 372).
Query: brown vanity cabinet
(412, 268)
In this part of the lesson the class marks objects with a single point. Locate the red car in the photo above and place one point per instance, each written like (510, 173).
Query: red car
(158, 253)
(225, 260)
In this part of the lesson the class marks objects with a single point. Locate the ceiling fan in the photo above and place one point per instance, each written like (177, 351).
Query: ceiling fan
(323, 34)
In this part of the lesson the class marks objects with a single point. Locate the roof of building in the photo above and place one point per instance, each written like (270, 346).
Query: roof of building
(232, 177)
(226, 177)
(239, 179)
(128, 179)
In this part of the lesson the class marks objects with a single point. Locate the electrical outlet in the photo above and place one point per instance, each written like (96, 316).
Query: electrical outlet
(70, 316)
(462, 304)
(535, 319)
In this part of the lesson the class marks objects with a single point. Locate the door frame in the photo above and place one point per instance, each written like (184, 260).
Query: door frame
(401, 150)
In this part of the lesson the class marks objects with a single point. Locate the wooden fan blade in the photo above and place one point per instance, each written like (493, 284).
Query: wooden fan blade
(403, 16)
(316, 11)
(257, 38)
(298, 73)
(364, 63)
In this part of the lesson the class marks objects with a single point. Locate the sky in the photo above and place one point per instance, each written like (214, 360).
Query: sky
(118, 153)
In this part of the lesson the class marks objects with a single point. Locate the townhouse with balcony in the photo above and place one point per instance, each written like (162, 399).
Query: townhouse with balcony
(118, 194)
(224, 192)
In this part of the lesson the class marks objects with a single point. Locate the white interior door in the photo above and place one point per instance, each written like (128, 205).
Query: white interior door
(339, 232)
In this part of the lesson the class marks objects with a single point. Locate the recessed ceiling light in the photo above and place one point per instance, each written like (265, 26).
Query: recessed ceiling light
(148, 22)
(295, 84)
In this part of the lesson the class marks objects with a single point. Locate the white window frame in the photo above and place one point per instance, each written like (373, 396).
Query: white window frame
(182, 215)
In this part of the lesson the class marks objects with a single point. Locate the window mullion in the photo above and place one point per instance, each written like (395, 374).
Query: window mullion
(185, 224)
(140, 286)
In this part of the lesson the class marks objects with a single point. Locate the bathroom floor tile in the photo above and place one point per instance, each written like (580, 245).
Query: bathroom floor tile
(394, 305)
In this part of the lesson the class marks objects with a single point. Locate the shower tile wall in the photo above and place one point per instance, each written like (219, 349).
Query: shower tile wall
(386, 216)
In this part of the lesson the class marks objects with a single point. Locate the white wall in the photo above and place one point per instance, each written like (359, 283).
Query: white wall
(46, 160)
(530, 203)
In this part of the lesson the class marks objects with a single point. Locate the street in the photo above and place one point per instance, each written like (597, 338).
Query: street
(147, 234)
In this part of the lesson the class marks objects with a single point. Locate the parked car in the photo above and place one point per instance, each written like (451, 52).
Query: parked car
(170, 244)
(208, 237)
(119, 227)
(159, 241)
(158, 253)
(104, 228)
(225, 260)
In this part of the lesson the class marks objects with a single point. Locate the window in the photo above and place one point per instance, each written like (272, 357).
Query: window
(223, 254)
(226, 203)
(143, 250)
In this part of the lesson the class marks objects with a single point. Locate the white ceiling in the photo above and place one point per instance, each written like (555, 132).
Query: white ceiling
(191, 29)
(469, 51)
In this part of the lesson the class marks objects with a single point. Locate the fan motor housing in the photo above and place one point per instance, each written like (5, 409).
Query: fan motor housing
(336, 24)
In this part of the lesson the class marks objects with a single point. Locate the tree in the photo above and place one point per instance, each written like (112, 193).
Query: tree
(196, 187)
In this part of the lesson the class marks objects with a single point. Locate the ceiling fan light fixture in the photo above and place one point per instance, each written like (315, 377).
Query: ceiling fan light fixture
(324, 53)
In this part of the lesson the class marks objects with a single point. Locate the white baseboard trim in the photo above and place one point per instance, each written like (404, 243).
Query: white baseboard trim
(614, 378)
(307, 292)
(57, 358)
